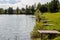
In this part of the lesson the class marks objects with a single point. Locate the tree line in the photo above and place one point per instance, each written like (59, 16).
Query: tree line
(53, 6)
(28, 10)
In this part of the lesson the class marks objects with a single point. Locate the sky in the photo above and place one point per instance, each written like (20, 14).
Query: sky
(20, 3)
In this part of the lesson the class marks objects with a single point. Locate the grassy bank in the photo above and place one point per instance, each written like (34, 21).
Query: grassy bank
(35, 39)
(54, 21)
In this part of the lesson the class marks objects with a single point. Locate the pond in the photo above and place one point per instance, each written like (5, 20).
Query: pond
(16, 27)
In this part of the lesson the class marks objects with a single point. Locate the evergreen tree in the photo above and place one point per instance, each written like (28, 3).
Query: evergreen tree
(38, 6)
(54, 6)
(10, 10)
(17, 11)
(28, 10)
(1, 10)
(22, 11)
(33, 9)
(43, 9)
(5, 12)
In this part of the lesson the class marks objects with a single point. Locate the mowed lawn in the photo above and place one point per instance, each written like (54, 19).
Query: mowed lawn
(54, 20)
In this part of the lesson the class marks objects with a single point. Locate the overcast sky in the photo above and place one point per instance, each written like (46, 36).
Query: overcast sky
(19, 3)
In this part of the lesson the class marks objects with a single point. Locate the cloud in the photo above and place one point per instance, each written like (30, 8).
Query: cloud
(20, 3)
(5, 6)
(9, 1)
(23, 3)
(14, 1)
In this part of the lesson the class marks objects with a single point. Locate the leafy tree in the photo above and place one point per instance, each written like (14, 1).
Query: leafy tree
(22, 11)
(5, 11)
(38, 6)
(17, 11)
(10, 10)
(1, 10)
(59, 6)
(33, 9)
(54, 6)
(38, 15)
(28, 10)
(43, 8)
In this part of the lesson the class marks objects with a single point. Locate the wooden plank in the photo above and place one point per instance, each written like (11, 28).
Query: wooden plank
(49, 31)
(47, 24)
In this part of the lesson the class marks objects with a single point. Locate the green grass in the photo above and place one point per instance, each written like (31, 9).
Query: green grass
(57, 38)
(36, 39)
(55, 20)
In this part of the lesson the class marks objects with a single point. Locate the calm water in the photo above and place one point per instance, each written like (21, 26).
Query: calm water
(16, 27)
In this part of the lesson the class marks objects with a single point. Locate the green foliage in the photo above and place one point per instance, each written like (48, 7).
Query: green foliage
(5, 11)
(35, 39)
(43, 8)
(22, 11)
(1, 10)
(17, 11)
(54, 6)
(38, 15)
(10, 10)
(33, 8)
(35, 34)
(38, 6)
(28, 10)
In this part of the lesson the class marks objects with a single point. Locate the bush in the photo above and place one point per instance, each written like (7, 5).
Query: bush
(35, 34)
